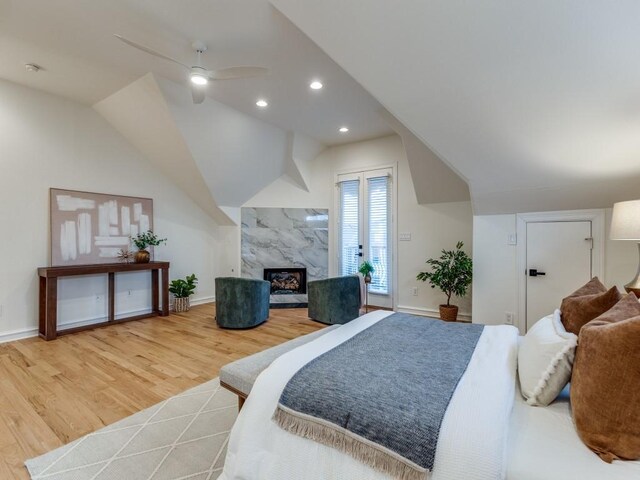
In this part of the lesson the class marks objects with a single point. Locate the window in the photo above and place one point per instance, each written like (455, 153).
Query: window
(378, 215)
(349, 226)
(364, 228)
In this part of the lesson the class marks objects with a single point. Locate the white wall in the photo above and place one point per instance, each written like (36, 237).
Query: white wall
(495, 281)
(495, 286)
(433, 227)
(48, 141)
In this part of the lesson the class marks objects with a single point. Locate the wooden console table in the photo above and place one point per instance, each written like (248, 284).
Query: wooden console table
(49, 293)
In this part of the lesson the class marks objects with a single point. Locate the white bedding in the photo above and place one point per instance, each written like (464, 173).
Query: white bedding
(544, 445)
(473, 435)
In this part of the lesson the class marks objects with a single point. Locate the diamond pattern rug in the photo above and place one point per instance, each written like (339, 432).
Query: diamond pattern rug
(184, 437)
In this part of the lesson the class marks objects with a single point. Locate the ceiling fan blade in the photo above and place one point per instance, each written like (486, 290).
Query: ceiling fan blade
(198, 93)
(237, 72)
(148, 50)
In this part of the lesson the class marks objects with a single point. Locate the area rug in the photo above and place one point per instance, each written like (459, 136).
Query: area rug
(184, 437)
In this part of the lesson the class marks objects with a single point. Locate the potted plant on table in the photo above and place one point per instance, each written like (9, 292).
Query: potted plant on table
(144, 240)
(451, 273)
(366, 269)
(182, 289)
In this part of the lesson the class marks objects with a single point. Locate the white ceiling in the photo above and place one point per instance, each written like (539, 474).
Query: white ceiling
(73, 41)
(216, 137)
(536, 104)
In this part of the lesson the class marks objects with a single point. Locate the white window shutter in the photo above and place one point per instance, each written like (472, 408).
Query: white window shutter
(378, 215)
(349, 226)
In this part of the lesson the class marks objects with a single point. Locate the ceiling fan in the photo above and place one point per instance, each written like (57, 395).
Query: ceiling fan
(198, 74)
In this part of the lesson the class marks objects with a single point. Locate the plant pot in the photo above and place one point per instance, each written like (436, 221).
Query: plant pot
(181, 304)
(367, 278)
(449, 313)
(142, 256)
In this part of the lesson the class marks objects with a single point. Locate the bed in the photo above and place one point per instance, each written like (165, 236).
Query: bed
(482, 436)
(544, 445)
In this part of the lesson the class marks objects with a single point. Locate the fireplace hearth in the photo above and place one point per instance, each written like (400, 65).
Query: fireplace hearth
(286, 281)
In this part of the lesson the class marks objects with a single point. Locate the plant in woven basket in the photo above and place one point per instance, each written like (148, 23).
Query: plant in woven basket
(182, 289)
(451, 273)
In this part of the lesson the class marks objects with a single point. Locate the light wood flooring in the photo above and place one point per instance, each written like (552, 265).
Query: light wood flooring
(54, 392)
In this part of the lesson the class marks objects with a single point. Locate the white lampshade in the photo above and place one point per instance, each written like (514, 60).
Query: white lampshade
(625, 224)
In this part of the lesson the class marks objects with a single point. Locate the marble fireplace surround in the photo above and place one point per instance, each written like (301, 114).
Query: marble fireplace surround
(285, 238)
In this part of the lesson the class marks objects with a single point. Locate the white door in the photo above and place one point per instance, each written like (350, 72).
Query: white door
(559, 260)
(364, 229)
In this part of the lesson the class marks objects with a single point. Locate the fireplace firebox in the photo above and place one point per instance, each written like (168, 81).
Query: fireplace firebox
(286, 281)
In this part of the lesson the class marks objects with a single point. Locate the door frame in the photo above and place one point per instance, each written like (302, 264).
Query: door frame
(597, 219)
(393, 230)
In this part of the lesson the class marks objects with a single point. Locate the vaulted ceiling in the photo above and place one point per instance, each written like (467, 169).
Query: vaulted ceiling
(219, 156)
(225, 150)
(73, 41)
(536, 104)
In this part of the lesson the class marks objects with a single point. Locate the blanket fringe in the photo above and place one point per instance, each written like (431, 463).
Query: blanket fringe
(331, 437)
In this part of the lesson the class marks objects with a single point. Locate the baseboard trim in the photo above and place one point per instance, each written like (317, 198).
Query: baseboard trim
(23, 333)
(430, 312)
(201, 300)
(18, 334)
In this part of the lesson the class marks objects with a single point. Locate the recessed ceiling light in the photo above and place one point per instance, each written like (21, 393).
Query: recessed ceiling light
(262, 103)
(315, 85)
(343, 129)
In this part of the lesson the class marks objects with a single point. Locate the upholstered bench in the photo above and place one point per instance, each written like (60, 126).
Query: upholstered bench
(239, 376)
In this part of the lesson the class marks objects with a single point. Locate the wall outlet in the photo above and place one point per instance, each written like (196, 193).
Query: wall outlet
(512, 239)
(509, 318)
(414, 291)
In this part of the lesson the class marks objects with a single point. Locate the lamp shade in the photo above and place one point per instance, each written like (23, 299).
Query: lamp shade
(625, 223)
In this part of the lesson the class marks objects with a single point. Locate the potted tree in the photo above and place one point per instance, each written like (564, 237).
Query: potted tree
(366, 269)
(182, 289)
(144, 240)
(451, 273)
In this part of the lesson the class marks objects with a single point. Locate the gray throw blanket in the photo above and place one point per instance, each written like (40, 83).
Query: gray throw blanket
(381, 395)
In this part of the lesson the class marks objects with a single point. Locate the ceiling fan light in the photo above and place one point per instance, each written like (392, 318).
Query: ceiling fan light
(199, 79)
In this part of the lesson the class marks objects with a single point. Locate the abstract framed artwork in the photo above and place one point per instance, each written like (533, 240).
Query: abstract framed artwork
(88, 228)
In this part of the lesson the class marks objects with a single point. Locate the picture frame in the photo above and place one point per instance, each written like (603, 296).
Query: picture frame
(92, 228)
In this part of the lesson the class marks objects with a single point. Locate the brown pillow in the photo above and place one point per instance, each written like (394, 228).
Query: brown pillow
(592, 287)
(605, 385)
(577, 311)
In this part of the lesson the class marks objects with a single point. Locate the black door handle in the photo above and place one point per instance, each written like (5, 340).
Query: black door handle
(359, 254)
(534, 273)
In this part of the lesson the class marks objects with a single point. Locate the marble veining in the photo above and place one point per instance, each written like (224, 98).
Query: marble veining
(285, 237)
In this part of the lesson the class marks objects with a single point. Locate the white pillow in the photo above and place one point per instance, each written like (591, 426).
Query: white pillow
(545, 359)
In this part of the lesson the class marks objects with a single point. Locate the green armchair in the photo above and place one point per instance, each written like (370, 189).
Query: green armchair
(241, 302)
(334, 300)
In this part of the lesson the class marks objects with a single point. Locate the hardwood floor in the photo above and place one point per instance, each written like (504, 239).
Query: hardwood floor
(54, 392)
